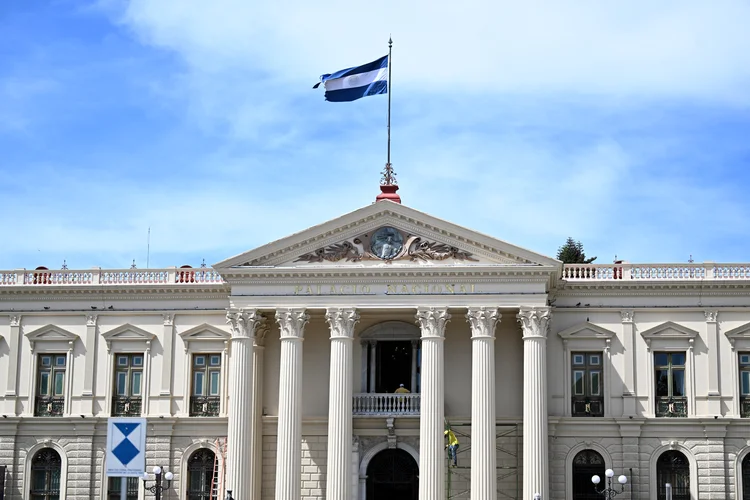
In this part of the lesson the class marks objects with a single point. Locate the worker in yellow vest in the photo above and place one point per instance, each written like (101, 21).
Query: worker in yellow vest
(452, 447)
(402, 390)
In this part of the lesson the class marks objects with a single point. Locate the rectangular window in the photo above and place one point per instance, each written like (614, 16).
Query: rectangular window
(115, 485)
(744, 359)
(669, 379)
(206, 386)
(127, 400)
(50, 388)
(587, 390)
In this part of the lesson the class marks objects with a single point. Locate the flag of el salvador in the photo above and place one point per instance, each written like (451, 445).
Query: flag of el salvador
(352, 83)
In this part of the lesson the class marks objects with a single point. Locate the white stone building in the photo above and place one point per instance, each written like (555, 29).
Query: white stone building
(273, 373)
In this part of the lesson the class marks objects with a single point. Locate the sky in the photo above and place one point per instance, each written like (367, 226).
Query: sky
(168, 132)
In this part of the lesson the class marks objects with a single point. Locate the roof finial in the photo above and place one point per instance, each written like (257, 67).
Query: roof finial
(388, 185)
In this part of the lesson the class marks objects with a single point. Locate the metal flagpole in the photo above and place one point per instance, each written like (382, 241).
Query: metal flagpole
(390, 46)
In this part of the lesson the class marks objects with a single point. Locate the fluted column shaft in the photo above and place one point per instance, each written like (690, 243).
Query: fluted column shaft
(239, 428)
(483, 453)
(256, 451)
(289, 441)
(535, 323)
(432, 322)
(339, 465)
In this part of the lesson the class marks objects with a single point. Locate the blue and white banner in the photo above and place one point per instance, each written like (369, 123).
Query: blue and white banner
(126, 447)
(352, 83)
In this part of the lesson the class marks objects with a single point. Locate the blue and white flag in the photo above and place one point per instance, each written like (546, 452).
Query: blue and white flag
(352, 83)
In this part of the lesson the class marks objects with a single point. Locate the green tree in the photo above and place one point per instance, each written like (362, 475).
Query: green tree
(572, 253)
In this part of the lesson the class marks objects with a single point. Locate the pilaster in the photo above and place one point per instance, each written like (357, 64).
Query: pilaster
(11, 387)
(338, 466)
(535, 324)
(289, 440)
(629, 368)
(483, 450)
(239, 423)
(714, 354)
(89, 363)
(167, 341)
(432, 322)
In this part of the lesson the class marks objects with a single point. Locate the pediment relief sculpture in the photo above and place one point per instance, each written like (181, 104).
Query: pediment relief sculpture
(386, 244)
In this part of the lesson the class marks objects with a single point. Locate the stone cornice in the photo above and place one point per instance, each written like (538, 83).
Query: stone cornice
(653, 288)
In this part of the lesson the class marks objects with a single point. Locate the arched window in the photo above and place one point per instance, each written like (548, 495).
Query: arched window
(586, 464)
(673, 467)
(746, 477)
(201, 476)
(393, 473)
(46, 468)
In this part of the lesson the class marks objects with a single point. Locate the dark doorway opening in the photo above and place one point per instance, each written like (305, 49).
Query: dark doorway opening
(394, 366)
(673, 467)
(746, 478)
(586, 465)
(392, 475)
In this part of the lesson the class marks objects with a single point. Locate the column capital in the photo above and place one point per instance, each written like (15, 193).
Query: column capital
(244, 322)
(342, 322)
(168, 319)
(483, 321)
(15, 320)
(91, 319)
(292, 322)
(711, 315)
(535, 321)
(261, 330)
(627, 315)
(432, 321)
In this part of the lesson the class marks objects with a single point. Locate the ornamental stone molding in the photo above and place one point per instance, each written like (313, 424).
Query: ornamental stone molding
(168, 319)
(627, 316)
(711, 315)
(292, 322)
(342, 322)
(432, 321)
(15, 320)
(535, 321)
(483, 321)
(243, 322)
(91, 319)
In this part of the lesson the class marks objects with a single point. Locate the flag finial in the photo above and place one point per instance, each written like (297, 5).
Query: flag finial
(388, 185)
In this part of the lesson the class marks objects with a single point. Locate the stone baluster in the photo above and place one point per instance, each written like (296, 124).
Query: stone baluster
(239, 428)
(289, 441)
(483, 454)
(432, 322)
(342, 322)
(535, 324)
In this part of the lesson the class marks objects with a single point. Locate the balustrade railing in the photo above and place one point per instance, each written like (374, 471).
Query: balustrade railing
(204, 406)
(646, 272)
(671, 406)
(745, 406)
(386, 404)
(126, 406)
(45, 277)
(48, 406)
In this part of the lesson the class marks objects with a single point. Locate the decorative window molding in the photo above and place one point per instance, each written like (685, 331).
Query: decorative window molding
(217, 447)
(204, 339)
(391, 330)
(385, 332)
(672, 445)
(128, 339)
(575, 450)
(51, 339)
(670, 336)
(587, 337)
(739, 339)
(26, 478)
(739, 477)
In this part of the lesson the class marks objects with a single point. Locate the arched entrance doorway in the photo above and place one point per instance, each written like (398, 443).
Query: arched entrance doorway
(392, 475)
(586, 464)
(746, 477)
(673, 467)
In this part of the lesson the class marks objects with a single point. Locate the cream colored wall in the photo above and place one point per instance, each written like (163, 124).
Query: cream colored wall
(509, 367)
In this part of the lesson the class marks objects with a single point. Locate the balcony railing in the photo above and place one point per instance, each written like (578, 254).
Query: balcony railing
(204, 406)
(386, 404)
(588, 407)
(671, 407)
(655, 272)
(126, 406)
(90, 277)
(47, 406)
(745, 407)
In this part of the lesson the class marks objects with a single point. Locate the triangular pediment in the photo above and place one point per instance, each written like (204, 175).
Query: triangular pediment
(204, 332)
(586, 330)
(669, 330)
(740, 333)
(128, 332)
(386, 233)
(51, 333)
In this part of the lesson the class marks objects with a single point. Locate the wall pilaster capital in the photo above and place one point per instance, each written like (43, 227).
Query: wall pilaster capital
(432, 321)
(261, 331)
(292, 322)
(168, 319)
(627, 315)
(15, 320)
(91, 319)
(712, 315)
(535, 321)
(342, 322)
(483, 321)
(244, 322)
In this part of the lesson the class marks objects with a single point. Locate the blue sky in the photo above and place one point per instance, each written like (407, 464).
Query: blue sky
(623, 124)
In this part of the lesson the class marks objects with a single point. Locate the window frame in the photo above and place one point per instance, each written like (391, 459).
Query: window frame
(128, 339)
(739, 340)
(51, 339)
(207, 369)
(205, 339)
(587, 338)
(129, 369)
(30, 454)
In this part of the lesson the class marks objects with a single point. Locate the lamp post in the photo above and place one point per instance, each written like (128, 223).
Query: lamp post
(157, 487)
(609, 491)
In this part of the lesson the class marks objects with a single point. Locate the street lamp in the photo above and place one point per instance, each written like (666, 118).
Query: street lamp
(608, 491)
(157, 487)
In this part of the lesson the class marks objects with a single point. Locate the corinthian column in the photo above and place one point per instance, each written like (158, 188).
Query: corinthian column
(289, 444)
(483, 458)
(432, 322)
(239, 428)
(256, 452)
(339, 463)
(535, 323)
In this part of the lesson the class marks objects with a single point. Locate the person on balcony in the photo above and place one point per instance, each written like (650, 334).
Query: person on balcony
(452, 447)
(402, 390)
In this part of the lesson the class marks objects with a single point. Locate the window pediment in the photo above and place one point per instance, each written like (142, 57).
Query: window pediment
(127, 333)
(204, 333)
(587, 331)
(741, 333)
(50, 333)
(674, 334)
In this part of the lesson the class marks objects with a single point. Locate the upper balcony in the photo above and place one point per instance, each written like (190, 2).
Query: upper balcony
(655, 272)
(114, 277)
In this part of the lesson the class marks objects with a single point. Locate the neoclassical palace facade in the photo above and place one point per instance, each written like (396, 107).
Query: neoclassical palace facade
(278, 373)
